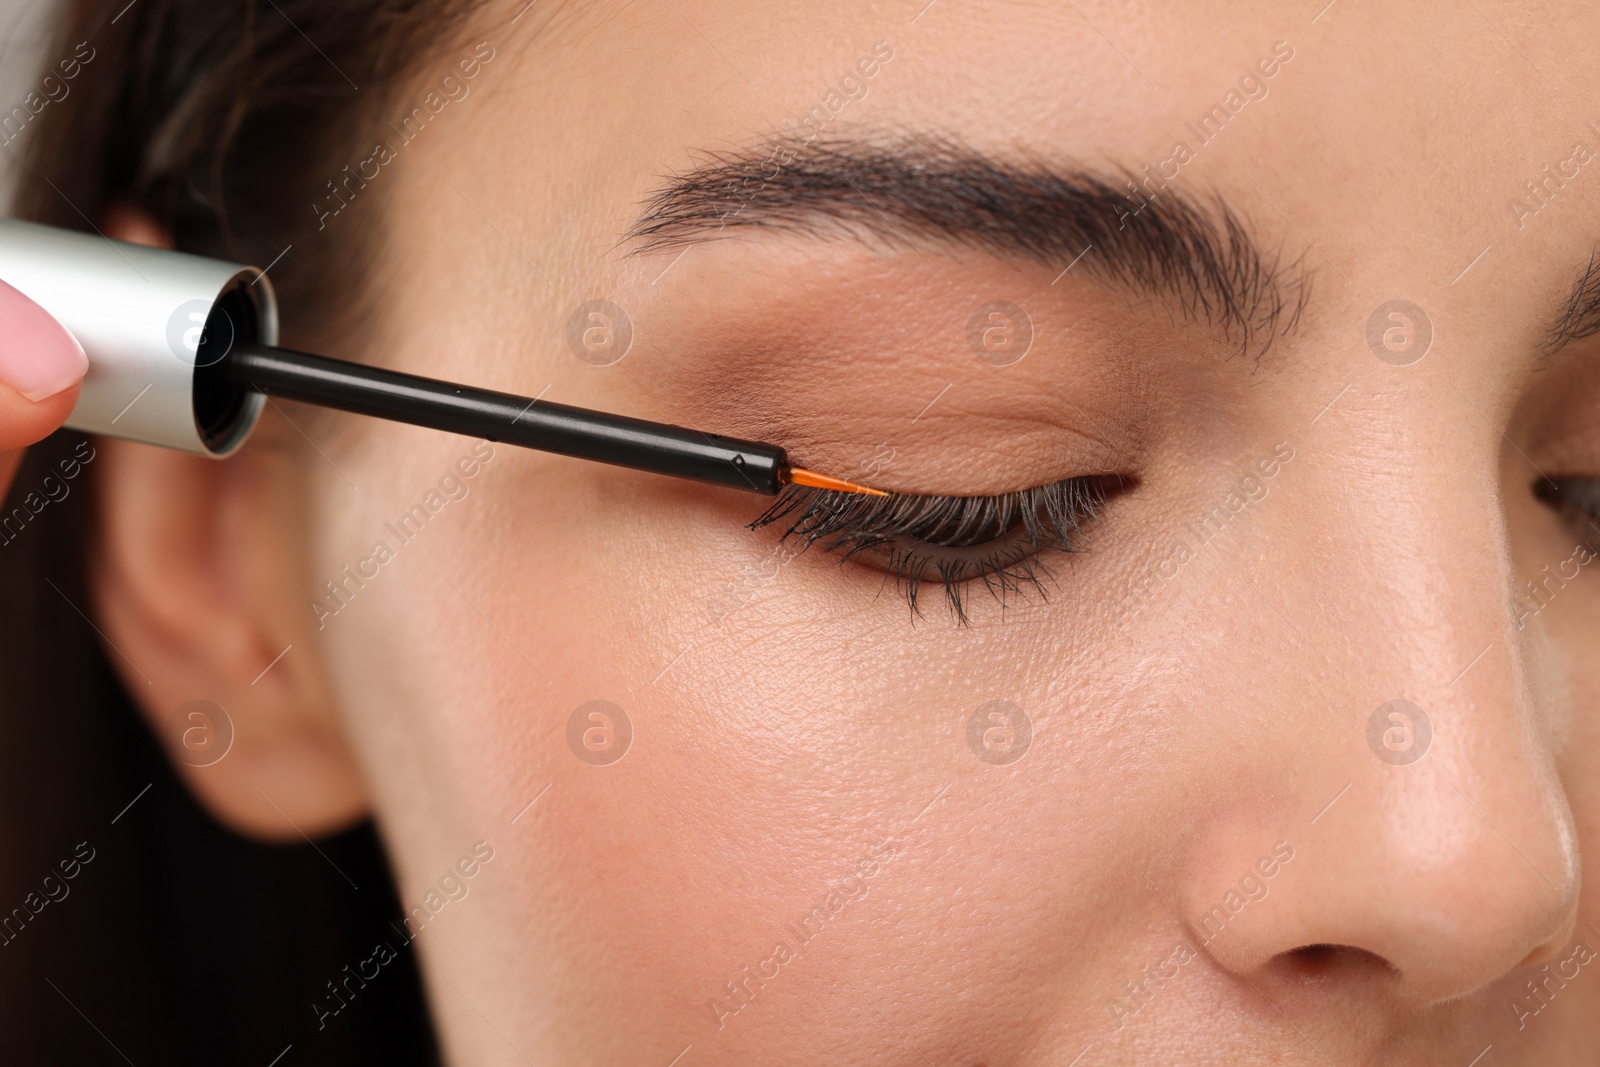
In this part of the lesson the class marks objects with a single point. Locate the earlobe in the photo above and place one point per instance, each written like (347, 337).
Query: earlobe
(193, 565)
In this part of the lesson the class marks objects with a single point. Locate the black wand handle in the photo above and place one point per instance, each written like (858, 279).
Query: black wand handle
(518, 420)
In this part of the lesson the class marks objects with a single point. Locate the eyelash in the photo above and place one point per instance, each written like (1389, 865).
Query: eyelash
(1577, 500)
(954, 540)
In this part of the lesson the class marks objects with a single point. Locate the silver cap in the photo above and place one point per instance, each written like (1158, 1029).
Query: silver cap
(142, 314)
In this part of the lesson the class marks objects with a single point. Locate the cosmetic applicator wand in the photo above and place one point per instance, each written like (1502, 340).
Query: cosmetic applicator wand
(518, 420)
(182, 353)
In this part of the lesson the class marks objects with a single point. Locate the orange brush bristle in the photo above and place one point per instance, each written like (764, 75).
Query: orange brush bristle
(801, 476)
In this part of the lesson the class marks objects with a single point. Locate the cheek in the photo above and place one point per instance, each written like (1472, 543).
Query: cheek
(766, 765)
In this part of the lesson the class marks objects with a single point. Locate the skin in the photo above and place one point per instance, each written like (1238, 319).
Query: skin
(793, 728)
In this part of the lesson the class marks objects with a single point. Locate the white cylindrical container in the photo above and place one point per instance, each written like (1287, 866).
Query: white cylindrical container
(155, 325)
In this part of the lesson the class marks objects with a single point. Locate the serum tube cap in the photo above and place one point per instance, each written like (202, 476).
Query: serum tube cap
(155, 325)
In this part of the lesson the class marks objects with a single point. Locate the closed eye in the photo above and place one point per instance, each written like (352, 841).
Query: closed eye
(955, 541)
(1577, 501)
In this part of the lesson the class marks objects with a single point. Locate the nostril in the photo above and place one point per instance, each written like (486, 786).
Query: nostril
(1313, 964)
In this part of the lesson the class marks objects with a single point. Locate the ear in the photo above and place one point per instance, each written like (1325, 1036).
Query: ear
(193, 559)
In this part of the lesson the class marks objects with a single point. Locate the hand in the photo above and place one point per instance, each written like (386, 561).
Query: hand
(41, 368)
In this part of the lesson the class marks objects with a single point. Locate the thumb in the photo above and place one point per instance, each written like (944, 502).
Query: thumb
(41, 367)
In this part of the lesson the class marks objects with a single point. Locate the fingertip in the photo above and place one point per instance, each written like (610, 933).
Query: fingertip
(39, 358)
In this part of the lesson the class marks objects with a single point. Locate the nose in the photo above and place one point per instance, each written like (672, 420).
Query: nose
(1431, 846)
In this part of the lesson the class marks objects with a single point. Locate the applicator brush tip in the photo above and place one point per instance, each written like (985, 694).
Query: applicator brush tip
(801, 476)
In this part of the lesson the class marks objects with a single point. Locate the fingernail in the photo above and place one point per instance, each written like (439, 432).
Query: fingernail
(38, 357)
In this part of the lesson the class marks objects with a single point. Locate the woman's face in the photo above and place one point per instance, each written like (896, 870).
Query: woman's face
(1292, 762)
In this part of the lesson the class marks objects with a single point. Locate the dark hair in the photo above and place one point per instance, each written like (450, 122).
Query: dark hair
(173, 940)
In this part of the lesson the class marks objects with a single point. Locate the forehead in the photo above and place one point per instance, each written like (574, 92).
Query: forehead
(1108, 75)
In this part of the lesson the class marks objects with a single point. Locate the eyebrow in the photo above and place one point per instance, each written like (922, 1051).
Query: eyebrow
(1141, 236)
